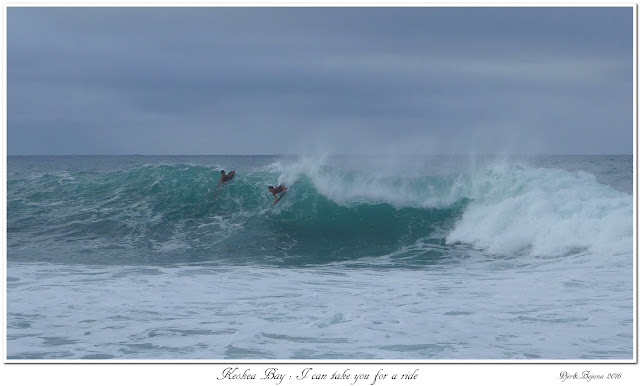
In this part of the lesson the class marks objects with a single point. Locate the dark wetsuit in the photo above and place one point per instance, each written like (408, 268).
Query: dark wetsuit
(224, 178)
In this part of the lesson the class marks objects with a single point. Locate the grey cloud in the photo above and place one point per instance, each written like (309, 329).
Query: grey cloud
(361, 80)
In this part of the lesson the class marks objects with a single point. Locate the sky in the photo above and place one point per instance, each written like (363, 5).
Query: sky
(331, 80)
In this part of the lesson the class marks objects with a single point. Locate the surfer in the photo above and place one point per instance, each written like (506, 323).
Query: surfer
(279, 189)
(226, 177)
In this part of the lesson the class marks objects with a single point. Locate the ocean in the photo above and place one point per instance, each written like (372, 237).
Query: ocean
(365, 257)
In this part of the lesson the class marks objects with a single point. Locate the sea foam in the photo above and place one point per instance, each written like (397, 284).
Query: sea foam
(542, 212)
(513, 208)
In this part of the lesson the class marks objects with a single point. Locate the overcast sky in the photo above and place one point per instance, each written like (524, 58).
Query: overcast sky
(317, 80)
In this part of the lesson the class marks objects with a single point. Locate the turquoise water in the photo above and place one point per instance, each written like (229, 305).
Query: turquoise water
(145, 257)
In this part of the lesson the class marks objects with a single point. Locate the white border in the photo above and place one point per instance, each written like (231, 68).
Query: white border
(635, 182)
(444, 371)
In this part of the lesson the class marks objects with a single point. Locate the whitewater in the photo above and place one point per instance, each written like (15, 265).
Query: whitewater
(421, 258)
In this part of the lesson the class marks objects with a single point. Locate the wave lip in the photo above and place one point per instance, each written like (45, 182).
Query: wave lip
(543, 212)
(354, 187)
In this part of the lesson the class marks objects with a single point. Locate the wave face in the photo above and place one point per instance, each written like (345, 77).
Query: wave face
(174, 212)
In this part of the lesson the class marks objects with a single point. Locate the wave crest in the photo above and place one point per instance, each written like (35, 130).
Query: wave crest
(504, 209)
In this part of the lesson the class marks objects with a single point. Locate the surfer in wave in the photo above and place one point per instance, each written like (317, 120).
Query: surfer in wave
(226, 177)
(279, 189)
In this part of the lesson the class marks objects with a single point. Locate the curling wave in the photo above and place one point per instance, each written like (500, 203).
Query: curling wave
(177, 212)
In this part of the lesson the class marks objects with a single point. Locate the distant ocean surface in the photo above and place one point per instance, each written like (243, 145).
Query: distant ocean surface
(143, 257)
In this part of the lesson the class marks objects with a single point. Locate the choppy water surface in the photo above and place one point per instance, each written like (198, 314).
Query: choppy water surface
(364, 258)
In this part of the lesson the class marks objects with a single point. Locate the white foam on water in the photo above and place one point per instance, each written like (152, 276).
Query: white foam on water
(550, 278)
(346, 187)
(513, 208)
(542, 212)
(481, 309)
